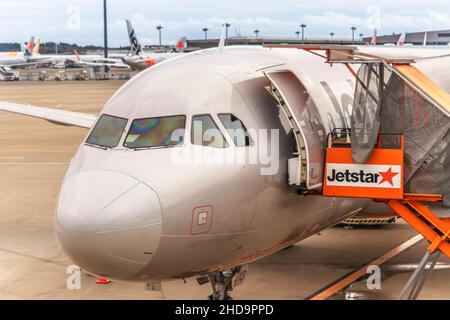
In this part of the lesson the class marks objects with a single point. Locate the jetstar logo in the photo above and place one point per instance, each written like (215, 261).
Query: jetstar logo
(364, 175)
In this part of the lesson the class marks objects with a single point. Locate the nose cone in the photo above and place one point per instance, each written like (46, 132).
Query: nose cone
(108, 223)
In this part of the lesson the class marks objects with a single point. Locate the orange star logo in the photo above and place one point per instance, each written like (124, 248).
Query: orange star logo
(388, 176)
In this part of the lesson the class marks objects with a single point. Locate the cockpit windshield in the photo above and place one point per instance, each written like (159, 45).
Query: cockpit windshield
(156, 132)
(107, 132)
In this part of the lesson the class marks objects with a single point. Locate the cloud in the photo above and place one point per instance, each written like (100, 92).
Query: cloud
(317, 25)
(48, 18)
(334, 20)
(429, 20)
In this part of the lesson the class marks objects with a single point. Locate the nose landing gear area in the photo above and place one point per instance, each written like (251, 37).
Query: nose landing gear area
(223, 282)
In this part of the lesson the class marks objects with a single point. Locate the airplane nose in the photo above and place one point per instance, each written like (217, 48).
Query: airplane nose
(108, 223)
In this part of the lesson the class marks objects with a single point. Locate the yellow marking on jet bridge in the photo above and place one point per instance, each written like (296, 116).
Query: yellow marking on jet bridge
(347, 280)
(419, 79)
(11, 158)
(33, 164)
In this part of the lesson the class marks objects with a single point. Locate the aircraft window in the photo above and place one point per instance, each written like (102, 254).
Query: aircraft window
(205, 133)
(107, 132)
(156, 132)
(236, 130)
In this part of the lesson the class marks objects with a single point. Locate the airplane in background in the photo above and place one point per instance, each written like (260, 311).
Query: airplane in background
(401, 42)
(24, 59)
(139, 60)
(17, 53)
(80, 60)
(373, 42)
(133, 208)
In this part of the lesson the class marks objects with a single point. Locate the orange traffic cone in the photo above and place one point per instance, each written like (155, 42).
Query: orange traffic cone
(103, 281)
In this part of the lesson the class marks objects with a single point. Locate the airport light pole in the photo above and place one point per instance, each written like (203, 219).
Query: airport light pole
(227, 25)
(353, 34)
(105, 30)
(205, 30)
(303, 26)
(159, 28)
(332, 35)
(361, 35)
(297, 33)
(256, 33)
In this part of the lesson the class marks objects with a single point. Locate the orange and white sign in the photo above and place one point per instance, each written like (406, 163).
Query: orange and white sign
(380, 178)
(364, 175)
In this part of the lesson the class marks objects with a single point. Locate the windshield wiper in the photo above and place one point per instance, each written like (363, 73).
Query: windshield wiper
(98, 147)
(151, 148)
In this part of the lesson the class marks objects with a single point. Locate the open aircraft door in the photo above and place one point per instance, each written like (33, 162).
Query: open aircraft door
(306, 166)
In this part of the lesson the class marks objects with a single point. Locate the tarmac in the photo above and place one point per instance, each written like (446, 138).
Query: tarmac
(34, 155)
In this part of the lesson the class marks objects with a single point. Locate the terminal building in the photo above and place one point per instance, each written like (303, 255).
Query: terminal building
(244, 41)
(433, 38)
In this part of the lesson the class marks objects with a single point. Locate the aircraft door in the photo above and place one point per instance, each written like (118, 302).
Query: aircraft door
(304, 118)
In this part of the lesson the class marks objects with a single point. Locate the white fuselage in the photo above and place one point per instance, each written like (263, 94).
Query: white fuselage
(131, 214)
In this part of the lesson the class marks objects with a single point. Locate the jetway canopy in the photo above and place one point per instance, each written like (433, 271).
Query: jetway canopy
(399, 99)
(400, 149)
(418, 108)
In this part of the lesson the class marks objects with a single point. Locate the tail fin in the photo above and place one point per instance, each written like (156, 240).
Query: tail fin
(37, 47)
(374, 38)
(401, 41)
(77, 55)
(222, 41)
(181, 45)
(425, 39)
(136, 48)
(28, 52)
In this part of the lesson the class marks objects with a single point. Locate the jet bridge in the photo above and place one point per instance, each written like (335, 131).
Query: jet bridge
(396, 151)
(393, 99)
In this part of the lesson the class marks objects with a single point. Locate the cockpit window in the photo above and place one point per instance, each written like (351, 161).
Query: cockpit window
(204, 132)
(236, 129)
(156, 132)
(107, 131)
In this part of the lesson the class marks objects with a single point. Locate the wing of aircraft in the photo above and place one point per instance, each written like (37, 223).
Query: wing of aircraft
(6, 65)
(110, 65)
(63, 117)
(102, 62)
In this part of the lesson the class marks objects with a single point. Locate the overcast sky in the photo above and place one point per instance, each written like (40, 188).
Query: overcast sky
(81, 21)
